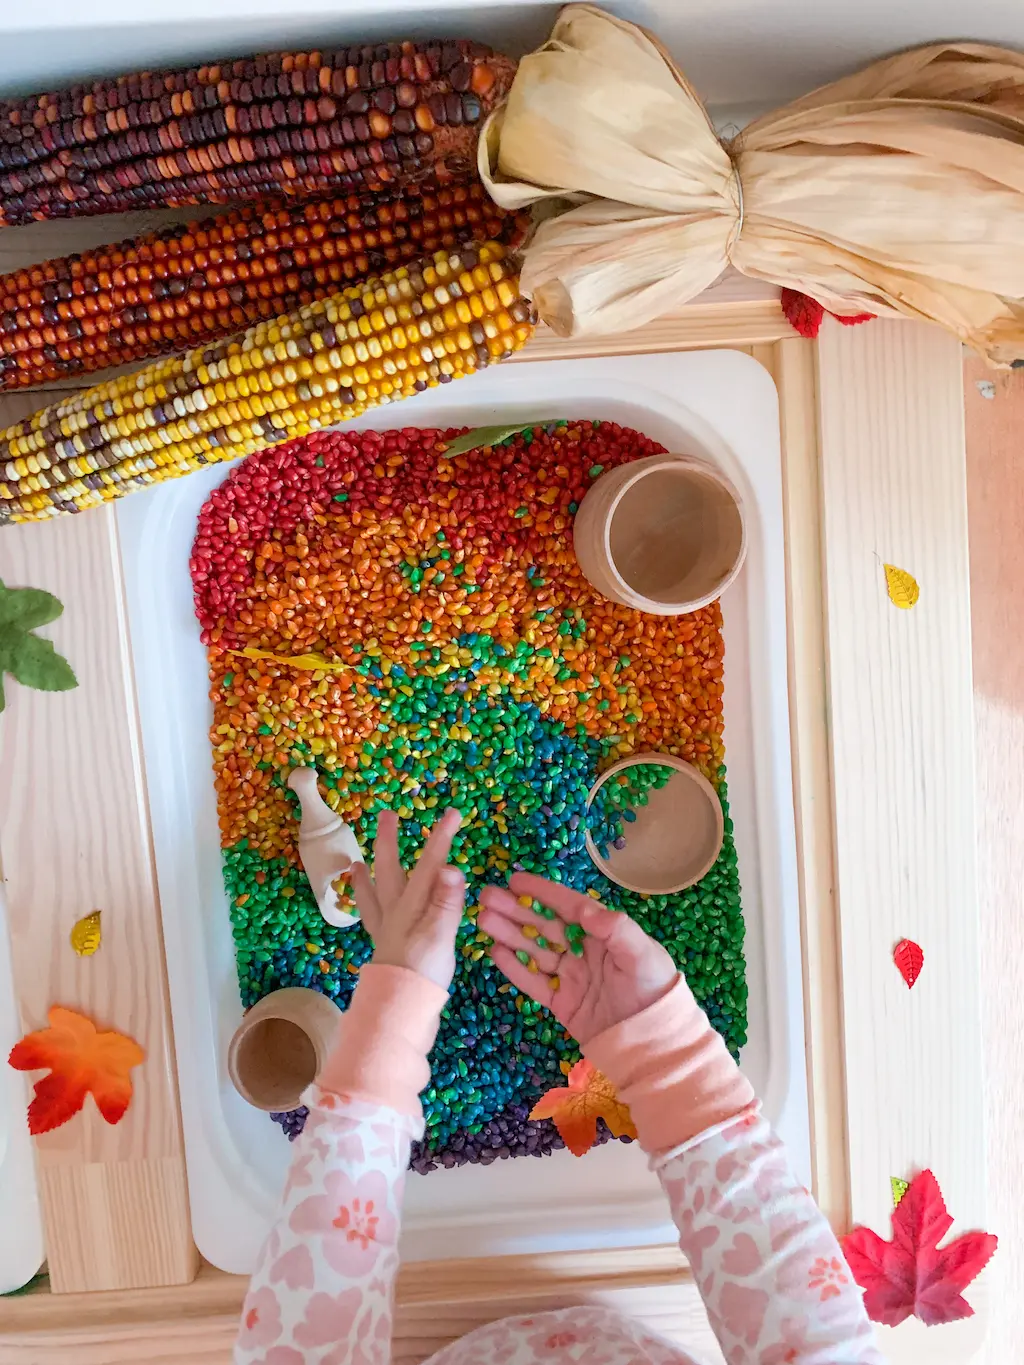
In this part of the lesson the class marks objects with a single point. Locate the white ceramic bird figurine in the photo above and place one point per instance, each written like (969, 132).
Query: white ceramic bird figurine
(327, 846)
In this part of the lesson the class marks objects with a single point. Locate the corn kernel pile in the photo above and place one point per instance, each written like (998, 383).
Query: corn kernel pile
(417, 628)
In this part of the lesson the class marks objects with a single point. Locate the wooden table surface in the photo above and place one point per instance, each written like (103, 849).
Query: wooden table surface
(997, 540)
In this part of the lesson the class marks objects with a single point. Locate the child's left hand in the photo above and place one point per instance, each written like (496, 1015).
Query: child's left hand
(413, 922)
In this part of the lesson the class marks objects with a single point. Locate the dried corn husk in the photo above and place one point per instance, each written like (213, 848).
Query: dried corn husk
(897, 190)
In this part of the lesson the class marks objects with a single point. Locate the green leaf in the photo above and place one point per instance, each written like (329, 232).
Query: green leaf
(34, 661)
(27, 608)
(27, 657)
(491, 436)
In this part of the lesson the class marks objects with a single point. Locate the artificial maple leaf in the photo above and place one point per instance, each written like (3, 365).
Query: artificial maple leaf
(805, 315)
(576, 1107)
(81, 1061)
(30, 658)
(912, 1274)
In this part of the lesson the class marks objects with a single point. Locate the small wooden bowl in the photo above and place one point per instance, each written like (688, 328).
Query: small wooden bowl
(664, 534)
(675, 838)
(280, 1047)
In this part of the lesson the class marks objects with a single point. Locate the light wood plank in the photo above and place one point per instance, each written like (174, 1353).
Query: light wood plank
(74, 837)
(436, 1304)
(698, 326)
(793, 365)
(995, 500)
(893, 485)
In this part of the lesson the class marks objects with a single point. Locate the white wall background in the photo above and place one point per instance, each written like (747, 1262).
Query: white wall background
(741, 54)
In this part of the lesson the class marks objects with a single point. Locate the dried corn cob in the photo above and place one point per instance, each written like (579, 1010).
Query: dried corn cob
(295, 123)
(406, 331)
(176, 289)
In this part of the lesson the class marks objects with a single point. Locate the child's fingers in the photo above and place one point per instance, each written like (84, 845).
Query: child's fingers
(576, 908)
(502, 902)
(436, 849)
(625, 941)
(534, 984)
(366, 899)
(569, 904)
(447, 898)
(387, 869)
(510, 934)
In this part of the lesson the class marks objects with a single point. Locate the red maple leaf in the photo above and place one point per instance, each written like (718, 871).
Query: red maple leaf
(805, 314)
(912, 1274)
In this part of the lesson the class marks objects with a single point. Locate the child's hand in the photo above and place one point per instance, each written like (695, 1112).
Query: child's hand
(413, 922)
(618, 973)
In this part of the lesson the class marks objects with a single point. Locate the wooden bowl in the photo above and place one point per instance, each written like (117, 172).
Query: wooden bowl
(675, 838)
(664, 534)
(280, 1046)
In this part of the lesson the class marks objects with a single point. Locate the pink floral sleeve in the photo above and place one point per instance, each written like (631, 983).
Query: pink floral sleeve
(770, 1271)
(322, 1291)
(767, 1264)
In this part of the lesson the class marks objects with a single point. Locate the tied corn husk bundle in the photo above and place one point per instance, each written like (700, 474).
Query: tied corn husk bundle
(898, 190)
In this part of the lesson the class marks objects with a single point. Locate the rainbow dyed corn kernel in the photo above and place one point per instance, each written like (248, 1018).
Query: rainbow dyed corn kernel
(463, 660)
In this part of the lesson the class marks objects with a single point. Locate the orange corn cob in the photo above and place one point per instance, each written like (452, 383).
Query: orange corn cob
(175, 289)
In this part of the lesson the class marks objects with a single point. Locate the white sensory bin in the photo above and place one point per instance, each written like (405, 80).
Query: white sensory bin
(720, 405)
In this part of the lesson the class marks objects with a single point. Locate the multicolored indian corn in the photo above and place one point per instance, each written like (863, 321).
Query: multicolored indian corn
(175, 289)
(296, 123)
(374, 343)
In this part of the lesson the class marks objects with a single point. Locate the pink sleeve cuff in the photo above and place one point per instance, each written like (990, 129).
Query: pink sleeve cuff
(672, 1069)
(380, 1052)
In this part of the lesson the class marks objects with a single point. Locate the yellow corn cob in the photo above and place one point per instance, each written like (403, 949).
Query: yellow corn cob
(374, 343)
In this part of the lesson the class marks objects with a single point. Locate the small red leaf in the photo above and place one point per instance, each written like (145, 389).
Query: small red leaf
(912, 1274)
(909, 960)
(803, 313)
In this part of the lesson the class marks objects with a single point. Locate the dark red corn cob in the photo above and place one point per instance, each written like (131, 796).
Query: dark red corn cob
(295, 123)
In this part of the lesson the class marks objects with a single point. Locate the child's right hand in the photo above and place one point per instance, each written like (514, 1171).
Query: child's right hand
(620, 971)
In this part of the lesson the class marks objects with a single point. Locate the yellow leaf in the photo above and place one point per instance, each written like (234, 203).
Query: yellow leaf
(899, 1189)
(901, 586)
(86, 935)
(305, 661)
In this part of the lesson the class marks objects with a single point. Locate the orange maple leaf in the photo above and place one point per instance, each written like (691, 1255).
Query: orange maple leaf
(81, 1060)
(576, 1107)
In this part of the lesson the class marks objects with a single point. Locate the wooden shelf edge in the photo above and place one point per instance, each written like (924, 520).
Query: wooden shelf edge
(439, 1301)
(697, 326)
